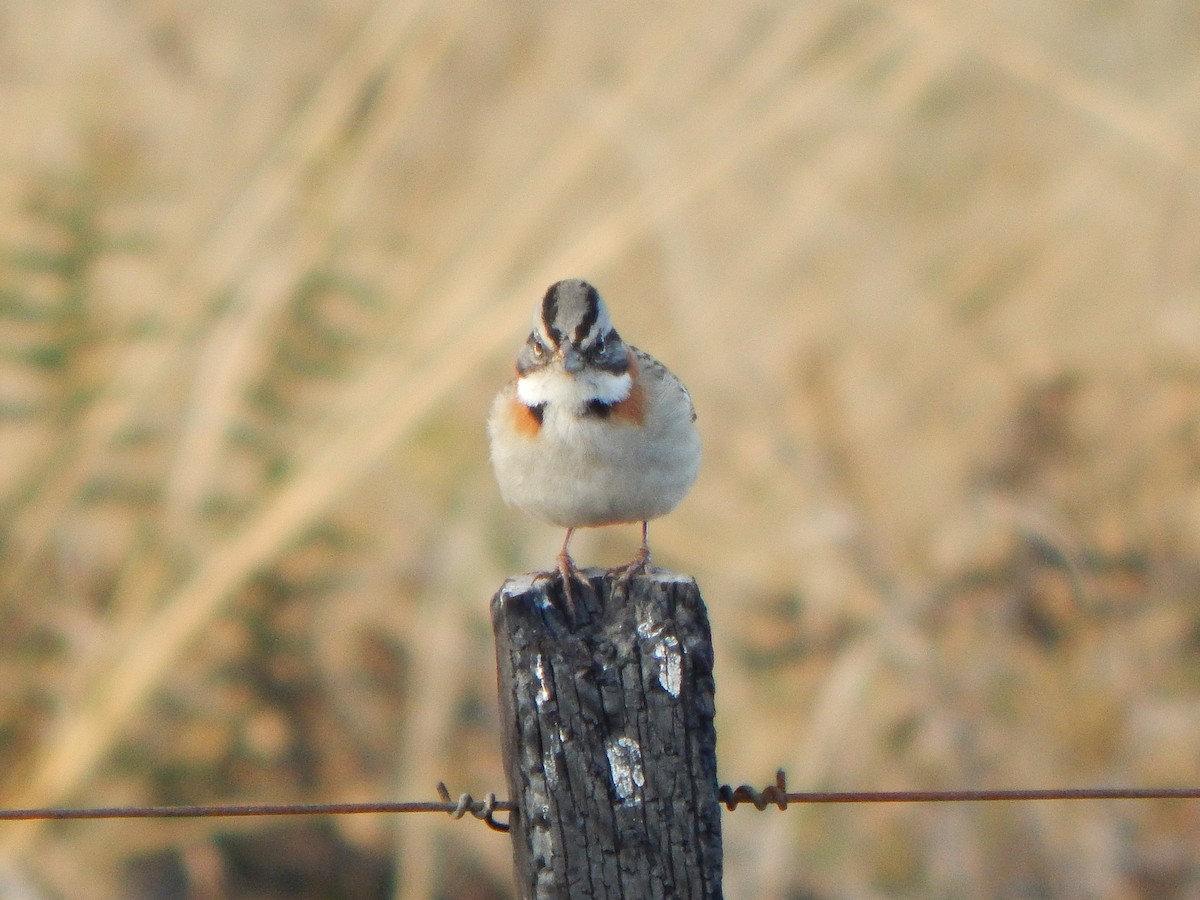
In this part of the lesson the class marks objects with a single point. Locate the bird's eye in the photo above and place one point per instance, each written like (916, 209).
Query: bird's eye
(539, 349)
(600, 343)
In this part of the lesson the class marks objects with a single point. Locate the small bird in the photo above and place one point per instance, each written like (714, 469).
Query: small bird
(592, 431)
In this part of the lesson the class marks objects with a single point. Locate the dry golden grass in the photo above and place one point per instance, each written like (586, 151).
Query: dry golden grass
(930, 272)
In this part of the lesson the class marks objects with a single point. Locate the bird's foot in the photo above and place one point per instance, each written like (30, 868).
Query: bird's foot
(640, 565)
(570, 575)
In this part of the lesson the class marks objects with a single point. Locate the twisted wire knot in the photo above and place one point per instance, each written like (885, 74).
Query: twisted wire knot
(483, 810)
(773, 793)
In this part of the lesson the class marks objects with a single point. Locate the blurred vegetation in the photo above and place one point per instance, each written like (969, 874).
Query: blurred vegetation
(930, 272)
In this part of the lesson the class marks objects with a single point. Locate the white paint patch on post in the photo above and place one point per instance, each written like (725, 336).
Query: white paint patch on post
(670, 665)
(518, 586)
(524, 586)
(542, 842)
(645, 630)
(625, 766)
(670, 660)
(539, 668)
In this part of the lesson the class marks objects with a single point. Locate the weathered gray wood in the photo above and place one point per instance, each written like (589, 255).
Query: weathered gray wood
(608, 733)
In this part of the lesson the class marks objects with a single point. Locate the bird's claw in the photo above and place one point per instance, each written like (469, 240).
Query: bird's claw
(570, 574)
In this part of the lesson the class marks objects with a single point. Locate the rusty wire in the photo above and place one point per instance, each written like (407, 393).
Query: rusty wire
(775, 794)
(778, 795)
(483, 810)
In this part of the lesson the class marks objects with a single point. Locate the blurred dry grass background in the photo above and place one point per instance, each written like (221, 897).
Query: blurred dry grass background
(932, 274)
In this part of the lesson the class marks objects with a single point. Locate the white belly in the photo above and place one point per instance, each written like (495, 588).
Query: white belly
(584, 470)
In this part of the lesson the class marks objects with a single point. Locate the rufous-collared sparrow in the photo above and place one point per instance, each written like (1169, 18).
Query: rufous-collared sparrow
(592, 431)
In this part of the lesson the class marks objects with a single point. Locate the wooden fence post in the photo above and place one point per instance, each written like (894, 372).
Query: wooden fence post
(609, 743)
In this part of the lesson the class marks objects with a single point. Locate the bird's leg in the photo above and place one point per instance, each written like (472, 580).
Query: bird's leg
(566, 565)
(641, 560)
(566, 568)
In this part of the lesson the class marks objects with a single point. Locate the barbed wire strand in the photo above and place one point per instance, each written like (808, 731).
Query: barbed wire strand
(481, 809)
(776, 795)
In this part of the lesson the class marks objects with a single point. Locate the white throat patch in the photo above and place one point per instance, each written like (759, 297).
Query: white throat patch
(553, 387)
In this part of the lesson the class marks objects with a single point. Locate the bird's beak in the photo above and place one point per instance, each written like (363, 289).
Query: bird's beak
(572, 360)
